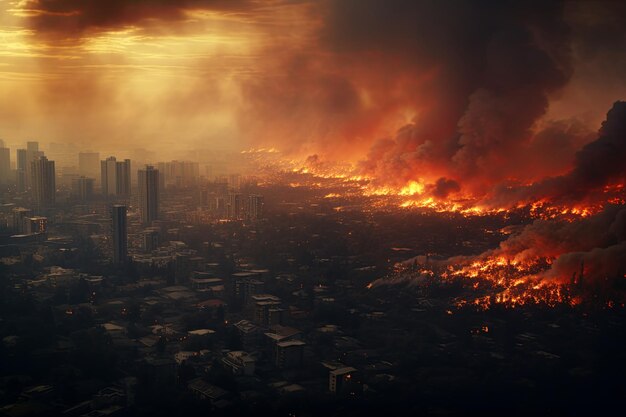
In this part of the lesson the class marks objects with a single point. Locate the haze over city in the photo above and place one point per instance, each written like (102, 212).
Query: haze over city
(300, 207)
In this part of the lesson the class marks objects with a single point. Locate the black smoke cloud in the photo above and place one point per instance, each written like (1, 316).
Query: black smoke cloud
(489, 70)
(604, 159)
(597, 164)
(481, 77)
(476, 76)
(70, 19)
(444, 187)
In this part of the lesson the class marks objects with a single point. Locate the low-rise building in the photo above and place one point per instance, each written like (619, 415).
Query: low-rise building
(340, 378)
(240, 362)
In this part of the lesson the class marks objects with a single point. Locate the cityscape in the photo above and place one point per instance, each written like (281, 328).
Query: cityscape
(303, 208)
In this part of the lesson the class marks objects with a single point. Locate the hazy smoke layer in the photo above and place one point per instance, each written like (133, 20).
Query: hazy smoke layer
(414, 89)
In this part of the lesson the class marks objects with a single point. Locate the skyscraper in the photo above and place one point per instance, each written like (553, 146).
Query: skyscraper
(5, 165)
(82, 188)
(108, 170)
(32, 154)
(234, 206)
(119, 234)
(254, 209)
(21, 170)
(122, 184)
(44, 182)
(115, 177)
(148, 183)
(178, 173)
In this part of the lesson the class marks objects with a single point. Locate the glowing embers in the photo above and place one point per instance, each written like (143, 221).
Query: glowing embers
(545, 210)
(463, 207)
(510, 283)
(484, 283)
(411, 188)
(342, 180)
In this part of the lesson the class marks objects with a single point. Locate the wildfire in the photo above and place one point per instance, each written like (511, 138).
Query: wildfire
(344, 180)
(415, 194)
(495, 280)
(565, 219)
(544, 210)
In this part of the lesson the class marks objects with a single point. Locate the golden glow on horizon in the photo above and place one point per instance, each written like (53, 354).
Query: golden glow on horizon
(162, 80)
(233, 75)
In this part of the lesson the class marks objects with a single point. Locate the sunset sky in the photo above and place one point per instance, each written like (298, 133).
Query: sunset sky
(446, 88)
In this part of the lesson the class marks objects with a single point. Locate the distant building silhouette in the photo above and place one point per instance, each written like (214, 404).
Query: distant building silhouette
(5, 165)
(148, 186)
(82, 188)
(115, 177)
(178, 174)
(254, 208)
(20, 177)
(234, 206)
(43, 182)
(32, 153)
(119, 234)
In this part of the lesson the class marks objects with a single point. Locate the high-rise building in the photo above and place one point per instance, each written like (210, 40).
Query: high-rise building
(89, 164)
(108, 170)
(21, 169)
(115, 177)
(122, 184)
(44, 182)
(254, 208)
(234, 181)
(148, 185)
(82, 188)
(234, 206)
(119, 234)
(178, 174)
(32, 154)
(25, 157)
(5, 165)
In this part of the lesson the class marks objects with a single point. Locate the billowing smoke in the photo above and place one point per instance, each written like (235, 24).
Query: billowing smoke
(589, 251)
(593, 241)
(599, 163)
(444, 187)
(478, 77)
(415, 90)
(480, 81)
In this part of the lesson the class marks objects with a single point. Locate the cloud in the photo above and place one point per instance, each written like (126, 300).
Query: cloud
(599, 163)
(413, 89)
(74, 18)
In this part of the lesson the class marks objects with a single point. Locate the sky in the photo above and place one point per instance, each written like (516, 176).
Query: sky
(156, 74)
(449, 93)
